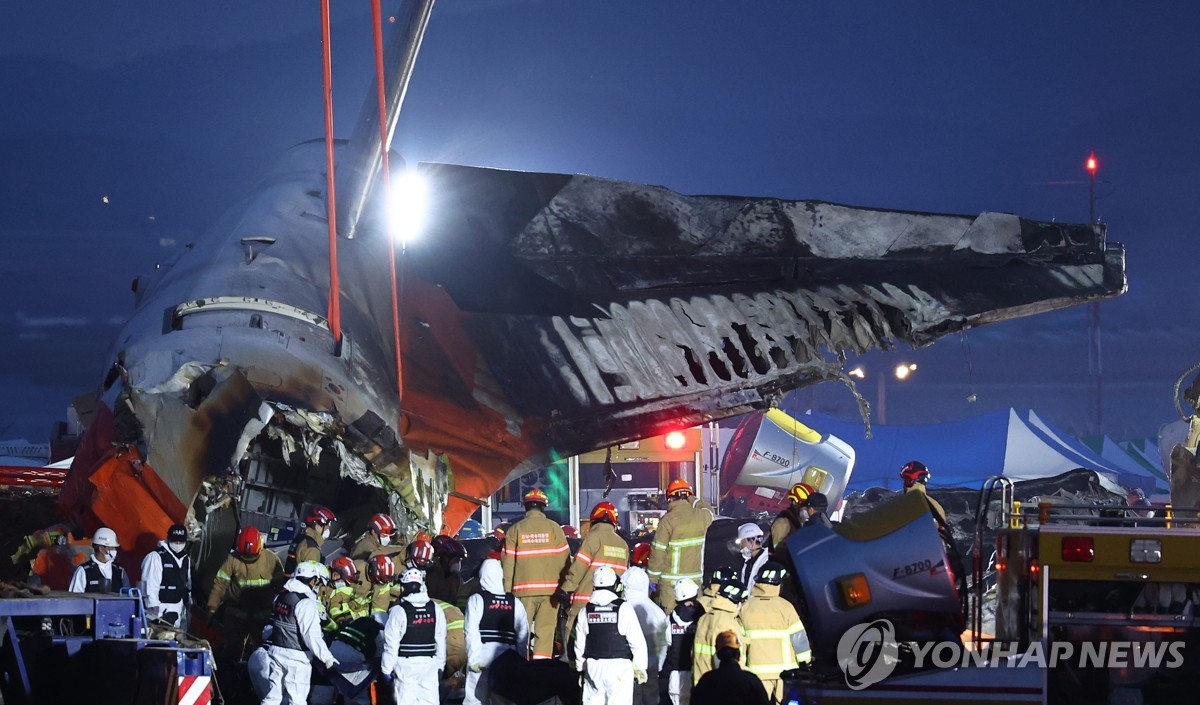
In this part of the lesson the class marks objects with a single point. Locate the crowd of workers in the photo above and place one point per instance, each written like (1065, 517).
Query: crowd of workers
(636, 625)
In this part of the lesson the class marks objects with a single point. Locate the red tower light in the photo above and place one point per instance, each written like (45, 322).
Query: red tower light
(675, 440)
(1093, 164)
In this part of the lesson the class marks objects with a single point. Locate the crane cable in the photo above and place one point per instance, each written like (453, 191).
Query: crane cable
(335, 309)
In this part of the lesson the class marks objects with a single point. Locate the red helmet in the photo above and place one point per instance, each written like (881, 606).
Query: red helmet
(913, 472)
(383, 524)
(345, 566)
(680, 488)
(420, 553)
(448, 548)
(249, 541)
(605, 512)
(570, 531)
(800, 493)
(535, 496)
(320, 516)
(641, 555)
(381, 569)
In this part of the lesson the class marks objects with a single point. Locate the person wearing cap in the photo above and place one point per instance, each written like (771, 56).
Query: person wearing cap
(681, 639)
(610, 649)
(534, 557)
(793, 517)
(773, 629)
(414, 644)
(654, 628)
(601, 546)
(728, 684)
(292, 640)
(915, 476)
(721, 617)
(307, 544)
(678, 547)
(167, 579)
(495, 623)
(818, 508)
(100, 573)
(750, 546)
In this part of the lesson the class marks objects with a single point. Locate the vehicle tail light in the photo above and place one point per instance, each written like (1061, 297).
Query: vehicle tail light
(1078, 549)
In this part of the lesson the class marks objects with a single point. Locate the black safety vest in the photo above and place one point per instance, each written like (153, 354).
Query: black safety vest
(603, 639)
(173, 588)
(285, 630)
(683, 637)
(289, 565)
(498, 623)
(361, 635)
(96, 582)
(420, 633)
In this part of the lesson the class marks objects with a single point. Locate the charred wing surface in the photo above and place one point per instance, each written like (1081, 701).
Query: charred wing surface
(614, 310)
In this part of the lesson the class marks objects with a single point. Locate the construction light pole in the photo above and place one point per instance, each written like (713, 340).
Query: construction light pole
(1094, 347)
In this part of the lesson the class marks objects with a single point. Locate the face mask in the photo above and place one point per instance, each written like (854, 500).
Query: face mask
(747, 552)
(106, 555)
(177, 548)
(325, 533)
(385, 540)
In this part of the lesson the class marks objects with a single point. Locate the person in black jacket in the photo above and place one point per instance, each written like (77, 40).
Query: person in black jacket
(728, 684)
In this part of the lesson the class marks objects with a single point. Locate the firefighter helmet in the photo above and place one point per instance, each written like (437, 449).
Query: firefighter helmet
(604, 577)
(605, 512)
(383, 524)
(319, 516)
(680, 488)
(345, 567)
(641, 555)
(381, 569)
(420, 553)
(722, 575)
(448, 548)
(913, 472)
(685, 589)
(106, 537)
(733, 590)
(800, 493)
(771, 573)
(412, 580)
(535, 497)
(249, 541)
(471, 529)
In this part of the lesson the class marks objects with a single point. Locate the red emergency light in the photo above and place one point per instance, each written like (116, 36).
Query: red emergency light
(1093, 164)
(675, 440)
(1078, 549)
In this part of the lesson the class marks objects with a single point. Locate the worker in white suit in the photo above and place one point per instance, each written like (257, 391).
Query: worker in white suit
(495, 622)
(414, 643)
(654, 629)
(292, 640)
(610, 650)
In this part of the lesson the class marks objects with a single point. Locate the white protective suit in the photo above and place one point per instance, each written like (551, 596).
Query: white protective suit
(610, 681)
(288, 672)
(152, 572)
(491, 579)
(415, 678)
(655, 629)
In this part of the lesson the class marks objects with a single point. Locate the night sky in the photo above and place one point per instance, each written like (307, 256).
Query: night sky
(174, 110)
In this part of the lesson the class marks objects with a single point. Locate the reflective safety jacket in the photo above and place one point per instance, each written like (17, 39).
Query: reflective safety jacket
(601, 546)
(368, 545)
(456, 641)
(935, 507)
(427, 638)
(250, 585)
(608, 628)
(678, 548)
(90, 577)
(340, 604)
(305, 547)
(785, 523)
(771, 623)
(723, 616)
(535, 555)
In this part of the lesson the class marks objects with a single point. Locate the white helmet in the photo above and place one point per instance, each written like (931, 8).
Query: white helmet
(105, 536)
(312, 569)
(604, 577)
(686, 589)
(412, 575)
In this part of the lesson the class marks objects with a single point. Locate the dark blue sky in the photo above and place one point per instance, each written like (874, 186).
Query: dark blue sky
(174, 110)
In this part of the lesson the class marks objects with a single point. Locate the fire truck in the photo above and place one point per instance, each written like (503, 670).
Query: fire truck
(1092, 604)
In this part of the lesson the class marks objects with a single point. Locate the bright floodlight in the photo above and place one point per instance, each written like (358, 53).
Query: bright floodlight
(676, 440)
(904, 370)
(858, 372)
(408, 206)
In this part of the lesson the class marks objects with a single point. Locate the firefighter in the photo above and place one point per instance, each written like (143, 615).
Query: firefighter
(654, 629)
(456, 640)
(728, 684)
(722, 616)
(495, 623)
(167, 579)
(292, 639)
(380, 537)
(100, 573)
(772, 628)
(307, 545)
(678, 548)
(419, 554)
(915, 476)
(247, 581)
(610, 650)
(414, 644)
(341, 603)
(750, 546)
(641, 555)
(442, 579)
(719, 577)
(793, 517)
(601, 546)
(681, 639)
(534, 557)
(381, 571)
